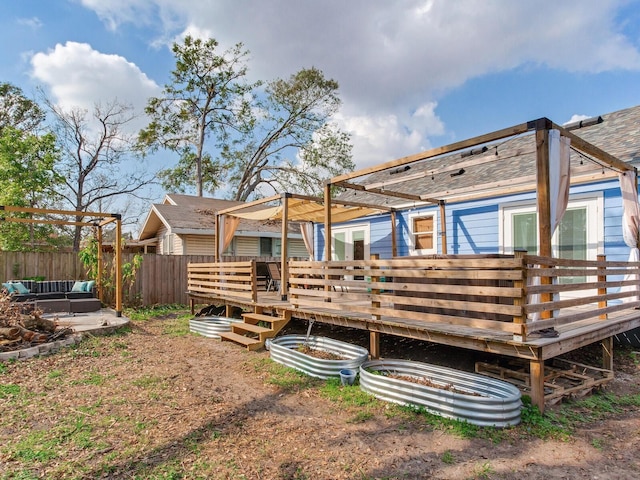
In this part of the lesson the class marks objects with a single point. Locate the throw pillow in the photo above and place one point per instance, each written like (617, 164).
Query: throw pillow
(79, 287)
(89, 286)
(20, 288)
(8, 287)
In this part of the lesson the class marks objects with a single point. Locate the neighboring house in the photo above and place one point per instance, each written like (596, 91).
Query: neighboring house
(490, 201)
(185, 225)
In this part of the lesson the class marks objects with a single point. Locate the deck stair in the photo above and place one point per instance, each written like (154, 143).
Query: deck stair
(255, 330)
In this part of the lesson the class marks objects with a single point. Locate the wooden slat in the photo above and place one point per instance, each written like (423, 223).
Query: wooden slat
(575, 287)
(471, 274)
(426, 317)
(584, 315)
(574, 272)
(574, 302)
(488, 307)
(563, 262)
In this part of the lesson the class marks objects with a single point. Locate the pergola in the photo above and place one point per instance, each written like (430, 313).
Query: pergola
(296, 208)
(99, 221)
(400, 187)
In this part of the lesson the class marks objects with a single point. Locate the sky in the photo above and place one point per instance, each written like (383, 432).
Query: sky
(413, 74)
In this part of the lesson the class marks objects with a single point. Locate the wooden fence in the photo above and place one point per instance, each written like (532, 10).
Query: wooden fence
(161, 279)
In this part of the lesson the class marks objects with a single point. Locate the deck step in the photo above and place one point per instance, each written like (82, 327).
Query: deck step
(249, 327)
(250, 343)
(259, 317)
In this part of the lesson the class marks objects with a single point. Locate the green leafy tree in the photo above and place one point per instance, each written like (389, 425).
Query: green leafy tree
(294, 146)
(27, 177)
(206, 98)
(18, 111)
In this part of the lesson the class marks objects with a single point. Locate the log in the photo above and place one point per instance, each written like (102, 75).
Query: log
(39, 323)
(32, 337)
(10, 333)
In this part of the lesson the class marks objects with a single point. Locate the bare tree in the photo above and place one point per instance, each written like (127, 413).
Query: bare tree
(98, 161)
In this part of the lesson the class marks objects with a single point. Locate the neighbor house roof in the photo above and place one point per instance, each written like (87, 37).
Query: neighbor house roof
(499, 168)
(191, 215)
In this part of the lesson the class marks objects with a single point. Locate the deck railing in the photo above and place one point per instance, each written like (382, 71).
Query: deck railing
(561, 292)
(518, 294)
(224, 279)
(476, 292)
(513, 294)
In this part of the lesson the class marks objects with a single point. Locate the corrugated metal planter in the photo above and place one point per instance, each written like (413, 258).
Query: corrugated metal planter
(284, 350)
(489, 402)
(211, 327)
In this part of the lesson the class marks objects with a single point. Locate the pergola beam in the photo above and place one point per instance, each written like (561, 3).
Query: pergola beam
(385, 192)
(46, 221)
(11, 208)
(434, 152)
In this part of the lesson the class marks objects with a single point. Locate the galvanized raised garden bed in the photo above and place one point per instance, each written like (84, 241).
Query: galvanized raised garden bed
(211, 326)
(451, 393)
(286, 350)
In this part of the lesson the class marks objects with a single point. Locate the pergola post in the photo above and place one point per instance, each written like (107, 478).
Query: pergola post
(327, 222)
(443, 227)
(216, 237)
(327, 235)
(118, 259)
(543, 200)
(284, 270)
(394, 240)
(100, 270)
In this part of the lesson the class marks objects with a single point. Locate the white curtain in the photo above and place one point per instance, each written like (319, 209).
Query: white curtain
(630, 226)
(559, 183)
(227, 226)
(307, 237)
(559, 176)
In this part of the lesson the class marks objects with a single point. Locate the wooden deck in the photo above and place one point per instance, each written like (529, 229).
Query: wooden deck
(482, 304)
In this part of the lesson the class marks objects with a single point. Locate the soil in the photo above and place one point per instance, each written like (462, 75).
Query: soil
(162, 405)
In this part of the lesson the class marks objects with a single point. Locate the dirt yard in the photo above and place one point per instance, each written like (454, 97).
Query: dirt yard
(158, 403)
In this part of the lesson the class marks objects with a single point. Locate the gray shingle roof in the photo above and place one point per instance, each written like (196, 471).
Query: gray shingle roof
(503, 164)
(196, 215)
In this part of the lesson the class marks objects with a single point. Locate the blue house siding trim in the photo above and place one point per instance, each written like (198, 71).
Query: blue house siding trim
(474, 227)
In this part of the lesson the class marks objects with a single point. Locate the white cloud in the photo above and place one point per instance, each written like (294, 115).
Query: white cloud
(390, 58)
(34, 22)
(377, 139)
(76, 75)
(418, 45)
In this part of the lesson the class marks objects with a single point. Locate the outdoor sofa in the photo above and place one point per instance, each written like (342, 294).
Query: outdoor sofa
(54, 295)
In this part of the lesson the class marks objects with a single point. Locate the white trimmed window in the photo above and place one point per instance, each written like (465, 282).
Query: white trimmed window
(423, 234)
(167, 244)
(578, 237)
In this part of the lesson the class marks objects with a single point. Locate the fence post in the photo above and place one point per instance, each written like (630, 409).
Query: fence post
(521, 301)
(374, 337)
(602, 278)
(254, 281)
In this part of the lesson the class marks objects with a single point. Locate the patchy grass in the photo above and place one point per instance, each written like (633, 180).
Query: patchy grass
(288, 379)
(142, 314)
(111, 407)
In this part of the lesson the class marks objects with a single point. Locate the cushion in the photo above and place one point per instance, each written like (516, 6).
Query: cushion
(8, 287)
(20, 288)
(89, 286)
(79, 287)
(50, 296)
(77, 295)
